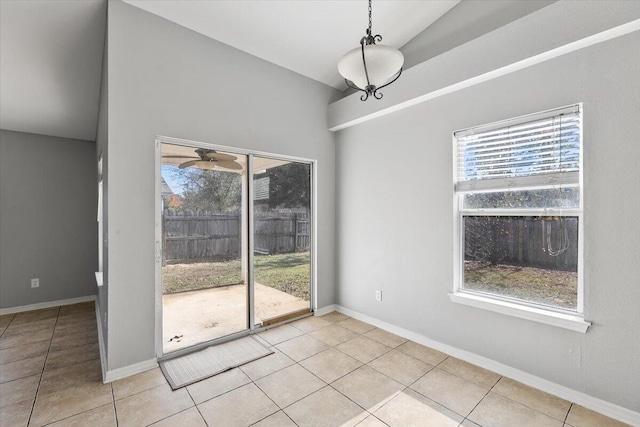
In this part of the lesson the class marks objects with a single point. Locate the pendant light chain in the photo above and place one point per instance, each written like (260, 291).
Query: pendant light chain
(369, 38)
(369, 32)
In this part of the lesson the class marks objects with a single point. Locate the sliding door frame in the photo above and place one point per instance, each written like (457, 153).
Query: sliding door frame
(248, 205)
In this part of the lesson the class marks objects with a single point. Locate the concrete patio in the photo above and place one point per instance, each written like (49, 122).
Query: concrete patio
(203, 315)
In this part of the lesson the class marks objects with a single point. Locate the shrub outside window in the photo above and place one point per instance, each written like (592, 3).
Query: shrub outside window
(518, 202)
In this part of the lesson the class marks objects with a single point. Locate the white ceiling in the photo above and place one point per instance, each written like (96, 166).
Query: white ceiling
(305, 36)
(51, 66)
(51, 50)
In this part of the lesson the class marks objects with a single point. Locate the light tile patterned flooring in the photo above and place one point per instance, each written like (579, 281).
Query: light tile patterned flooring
(326, 371)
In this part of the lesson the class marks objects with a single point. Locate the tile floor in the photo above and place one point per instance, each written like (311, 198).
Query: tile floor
(326, 371)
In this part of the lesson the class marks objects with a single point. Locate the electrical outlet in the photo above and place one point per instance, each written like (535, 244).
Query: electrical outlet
(35, 283)
(378, 295)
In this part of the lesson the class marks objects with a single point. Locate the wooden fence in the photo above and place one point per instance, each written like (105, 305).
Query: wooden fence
(521, 241)
(197, 236)
(280, 233)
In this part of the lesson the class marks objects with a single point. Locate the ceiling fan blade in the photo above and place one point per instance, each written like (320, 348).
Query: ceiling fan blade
(180, 157)
(220, 156)
(188, 164)
(228, 164)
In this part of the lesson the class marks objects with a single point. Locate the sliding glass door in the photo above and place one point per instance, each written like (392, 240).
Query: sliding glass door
(281, 239)
(204, 286)
(235, 238)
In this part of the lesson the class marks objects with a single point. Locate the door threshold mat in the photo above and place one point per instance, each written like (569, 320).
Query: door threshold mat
(191, 368)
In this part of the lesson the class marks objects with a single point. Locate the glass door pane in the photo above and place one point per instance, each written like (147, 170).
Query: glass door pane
(204, 245)
(282, 239)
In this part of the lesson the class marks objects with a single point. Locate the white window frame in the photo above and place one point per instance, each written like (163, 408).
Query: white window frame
(563, 318)
(99, 274)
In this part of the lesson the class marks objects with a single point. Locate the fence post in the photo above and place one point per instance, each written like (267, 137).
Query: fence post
(295, 228)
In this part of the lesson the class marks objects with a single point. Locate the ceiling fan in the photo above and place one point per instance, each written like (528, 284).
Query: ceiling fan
(208, 160)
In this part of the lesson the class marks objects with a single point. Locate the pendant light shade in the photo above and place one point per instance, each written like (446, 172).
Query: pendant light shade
(371, 67)
(383, 63)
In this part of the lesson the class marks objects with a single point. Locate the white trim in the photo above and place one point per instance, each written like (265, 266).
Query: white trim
(99, 278)
(606, 408)
(313, 231)
(127, 371)
(250, 257)
(569, 212)
(158, 246)
(520, 120)
(49, 304)
(539, 181)
(103, 352)
(230, 149)
(603, 36)
(572, 322)
(325, 310)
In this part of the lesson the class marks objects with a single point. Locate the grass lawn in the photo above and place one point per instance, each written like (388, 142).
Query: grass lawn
(550, 287)
(289, 273)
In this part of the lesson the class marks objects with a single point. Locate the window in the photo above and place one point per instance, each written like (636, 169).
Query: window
(518, 199)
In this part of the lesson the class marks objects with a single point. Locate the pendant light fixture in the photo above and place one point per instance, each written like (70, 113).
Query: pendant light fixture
(371, 66)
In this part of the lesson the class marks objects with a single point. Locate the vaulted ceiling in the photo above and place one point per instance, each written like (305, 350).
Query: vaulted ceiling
(51, 51)
(307, 37)
(51, 66)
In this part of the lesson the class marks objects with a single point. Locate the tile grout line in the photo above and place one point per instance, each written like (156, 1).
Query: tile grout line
(529, 407)
(566, 417)
(113, 399)
(426, 397)
(8, 324)
(483, 397)
(44, 368)
(401, 391)
(369, 413)
(324, 382)
(306, 333)
(362, 364)
(140, 391)
(333, 388)
(491, 389)
(35, 398)
(195, 405)
(287, 415)
(201, 416)
(268, 397)
(442, 361)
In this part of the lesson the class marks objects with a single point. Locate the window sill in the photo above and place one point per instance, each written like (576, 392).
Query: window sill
(561, 320)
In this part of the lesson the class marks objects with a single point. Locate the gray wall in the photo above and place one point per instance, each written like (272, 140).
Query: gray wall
(167, 80)
(466, 21)
(402, 162)
(47, 218)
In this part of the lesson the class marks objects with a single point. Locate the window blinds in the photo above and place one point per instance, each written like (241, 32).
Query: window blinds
(532, 151)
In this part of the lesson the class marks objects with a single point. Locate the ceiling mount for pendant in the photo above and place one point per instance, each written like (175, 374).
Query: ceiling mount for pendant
(371, 66)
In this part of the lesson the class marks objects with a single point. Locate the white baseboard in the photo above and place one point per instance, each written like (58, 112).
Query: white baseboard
(325, 310)
(117, 374)
(126, 371)
(606, 408)
(48, 304)
(103, 353)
